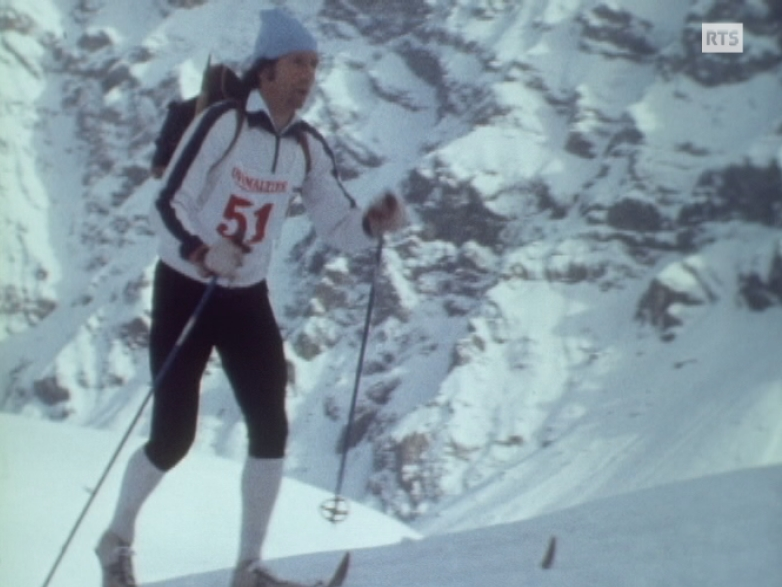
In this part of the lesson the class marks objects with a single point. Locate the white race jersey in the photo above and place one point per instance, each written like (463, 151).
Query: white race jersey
(224, 183)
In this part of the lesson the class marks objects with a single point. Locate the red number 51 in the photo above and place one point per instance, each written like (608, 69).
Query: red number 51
(239, 213)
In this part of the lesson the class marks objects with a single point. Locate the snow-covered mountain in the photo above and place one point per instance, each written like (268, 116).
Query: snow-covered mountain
(588, 300)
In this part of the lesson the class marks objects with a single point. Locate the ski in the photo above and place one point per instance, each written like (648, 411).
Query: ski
(551, 551)
(338, 578)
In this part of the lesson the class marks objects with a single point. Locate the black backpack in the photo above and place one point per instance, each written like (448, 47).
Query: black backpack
(218, 83)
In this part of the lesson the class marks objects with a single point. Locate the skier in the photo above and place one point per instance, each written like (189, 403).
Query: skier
(220, 210)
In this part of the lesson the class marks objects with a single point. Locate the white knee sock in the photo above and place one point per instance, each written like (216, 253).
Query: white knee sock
(141, 478)
(261, 481)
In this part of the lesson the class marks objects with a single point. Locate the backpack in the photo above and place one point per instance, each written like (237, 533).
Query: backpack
(219, 82)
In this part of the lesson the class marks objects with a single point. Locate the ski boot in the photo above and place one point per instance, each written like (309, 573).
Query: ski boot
(253, 574)
(116, 562)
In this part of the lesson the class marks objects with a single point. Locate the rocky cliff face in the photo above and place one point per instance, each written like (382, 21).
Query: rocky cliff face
(577, 172)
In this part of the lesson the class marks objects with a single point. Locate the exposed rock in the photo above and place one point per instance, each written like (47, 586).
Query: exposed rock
(714, 69)
(135, 334)
(738, 192)
(20, 311)
(359, 429)
(94, 40)
(762, 288)
(581, 144)
(681, 285)
(50, 392)
(406, 479)
(634, 215)
(309, 345)
(187, 3)
(14, 20)
(455, 213)
(397, 16)
(615, 33)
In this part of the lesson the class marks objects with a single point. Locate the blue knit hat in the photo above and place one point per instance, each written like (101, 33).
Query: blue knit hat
(281, 34)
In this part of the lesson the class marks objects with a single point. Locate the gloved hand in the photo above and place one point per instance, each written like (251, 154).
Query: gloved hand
(223, 259)
(386, 214)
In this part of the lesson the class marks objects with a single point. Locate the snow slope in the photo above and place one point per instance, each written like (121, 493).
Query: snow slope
(712, 532)
(189, 525)
(708, 402)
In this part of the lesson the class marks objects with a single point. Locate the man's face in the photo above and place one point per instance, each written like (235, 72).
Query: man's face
(292, 80)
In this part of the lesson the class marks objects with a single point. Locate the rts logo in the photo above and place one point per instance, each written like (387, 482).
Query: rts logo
(722, 37)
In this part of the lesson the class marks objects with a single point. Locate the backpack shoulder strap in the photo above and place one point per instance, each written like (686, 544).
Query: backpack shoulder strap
(240, 116)
(301, 138)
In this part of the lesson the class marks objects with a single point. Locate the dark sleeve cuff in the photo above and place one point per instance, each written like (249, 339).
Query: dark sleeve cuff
(190, 246)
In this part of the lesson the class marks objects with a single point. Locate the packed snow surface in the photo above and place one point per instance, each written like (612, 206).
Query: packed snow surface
(717, 531)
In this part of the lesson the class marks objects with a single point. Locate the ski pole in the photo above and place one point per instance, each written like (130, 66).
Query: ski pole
(155, 384)
(336, 508)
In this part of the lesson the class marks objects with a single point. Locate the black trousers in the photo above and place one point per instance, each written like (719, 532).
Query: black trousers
(240, 325)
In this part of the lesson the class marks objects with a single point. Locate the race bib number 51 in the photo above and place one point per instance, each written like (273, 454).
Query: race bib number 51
(242, 219)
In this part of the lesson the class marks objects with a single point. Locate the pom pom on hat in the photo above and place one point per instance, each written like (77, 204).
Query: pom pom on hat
(281, 34)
